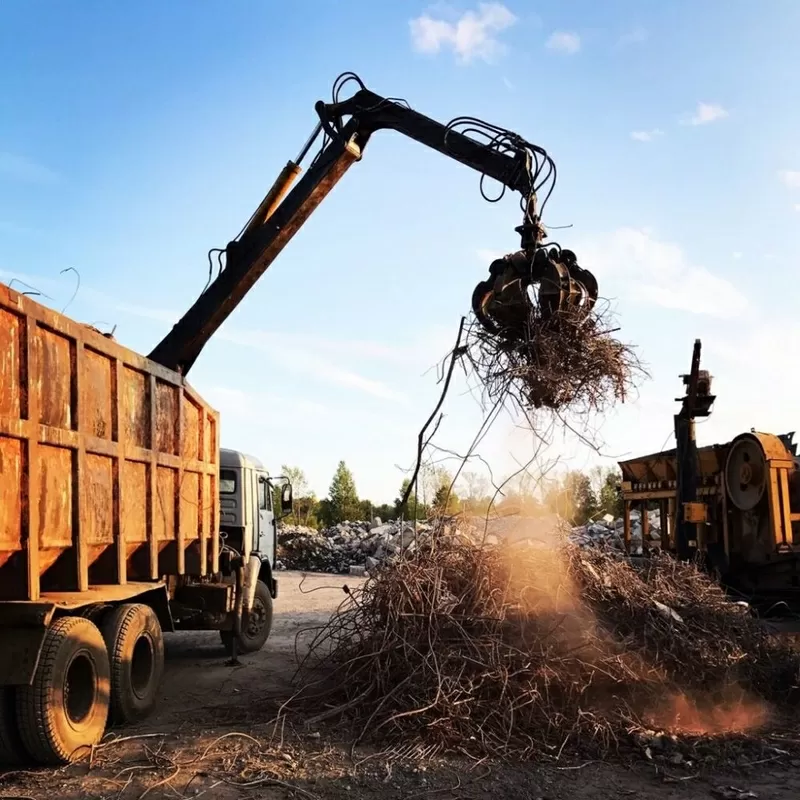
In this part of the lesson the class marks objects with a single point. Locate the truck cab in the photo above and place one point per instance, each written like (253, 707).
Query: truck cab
(248, 520)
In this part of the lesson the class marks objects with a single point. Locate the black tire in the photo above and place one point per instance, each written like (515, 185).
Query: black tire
(64, 711)
(135, 645)
(256, 625)
(12, 751)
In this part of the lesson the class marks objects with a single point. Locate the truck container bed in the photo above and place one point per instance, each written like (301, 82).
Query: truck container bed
(108, 461)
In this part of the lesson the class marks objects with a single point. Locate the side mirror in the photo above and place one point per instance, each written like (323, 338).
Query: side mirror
(286, 498)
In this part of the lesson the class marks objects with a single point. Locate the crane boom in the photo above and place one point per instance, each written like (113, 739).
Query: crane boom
(345, 128)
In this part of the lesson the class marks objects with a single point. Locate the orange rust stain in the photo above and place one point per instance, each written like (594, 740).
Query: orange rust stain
(10, 365)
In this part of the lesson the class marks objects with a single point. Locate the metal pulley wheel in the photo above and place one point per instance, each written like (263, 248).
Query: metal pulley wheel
(746, 472)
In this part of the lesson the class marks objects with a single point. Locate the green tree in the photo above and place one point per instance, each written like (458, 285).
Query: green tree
(414, 508)
(445, 500)
(610, 499)
(385, 511)
(304, 502)
(366, 510)
(342, 495)
(572, 498)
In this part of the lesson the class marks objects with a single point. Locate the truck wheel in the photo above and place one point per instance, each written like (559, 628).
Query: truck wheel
(12, 751)
(65, 710)
(256, 625)
(136, 650)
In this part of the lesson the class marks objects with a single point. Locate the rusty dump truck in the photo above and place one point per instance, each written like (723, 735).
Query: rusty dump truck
(120, 517)
(111, 532)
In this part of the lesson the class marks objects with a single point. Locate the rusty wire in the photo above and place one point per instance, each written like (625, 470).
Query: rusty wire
(570, 362)
(531, 651)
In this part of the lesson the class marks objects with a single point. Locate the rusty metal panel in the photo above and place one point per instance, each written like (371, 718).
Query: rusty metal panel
(108, 461)
(164, 513)
(134, 504)
(167, 418)
(53, 377)
(136, 407)
(98, 395)
(11, 364)
(98, 489)
(11, 488)
(190, 506)
(658, 467)
(51, 486)
(192, 445)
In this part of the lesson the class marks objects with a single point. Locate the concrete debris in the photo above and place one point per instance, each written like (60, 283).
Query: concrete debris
(347, 546)
(607, 533)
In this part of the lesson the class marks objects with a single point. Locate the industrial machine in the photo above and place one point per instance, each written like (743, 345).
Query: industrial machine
(120, 517)
(735, 506)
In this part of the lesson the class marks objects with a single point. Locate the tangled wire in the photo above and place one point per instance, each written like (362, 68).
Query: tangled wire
(530, 651)
(570, 361)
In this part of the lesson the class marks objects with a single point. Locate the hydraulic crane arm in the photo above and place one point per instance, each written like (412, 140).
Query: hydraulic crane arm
(345, 129)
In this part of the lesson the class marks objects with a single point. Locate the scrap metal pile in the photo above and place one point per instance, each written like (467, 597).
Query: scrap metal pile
(531, 651)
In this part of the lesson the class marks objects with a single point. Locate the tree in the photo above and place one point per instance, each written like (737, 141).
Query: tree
(445, 500)
(572, 498)
(385, 511)
(342, 495)
(476, 485)
(304, 502)
(610, 495)
(583, 500)
(414, 507)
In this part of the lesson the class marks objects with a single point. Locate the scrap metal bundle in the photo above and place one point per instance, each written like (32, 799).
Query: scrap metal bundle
(541, 337)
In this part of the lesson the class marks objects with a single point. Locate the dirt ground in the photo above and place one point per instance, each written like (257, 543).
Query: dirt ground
(213, 735)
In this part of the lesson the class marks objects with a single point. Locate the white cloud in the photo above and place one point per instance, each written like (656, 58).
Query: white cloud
(791, 178)
(706, 113)
(308, 355)
(24, 169)
(471, 36)
(658, 273)
(508, 84)
(636, 35)
(646, 136)
(564, 42)
(736, 254)
(797, 206)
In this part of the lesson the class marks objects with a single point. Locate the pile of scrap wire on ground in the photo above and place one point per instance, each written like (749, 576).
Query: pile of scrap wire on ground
(528, 651)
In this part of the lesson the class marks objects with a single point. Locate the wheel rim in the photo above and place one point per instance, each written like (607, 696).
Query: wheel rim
(79, 688)
(256, 619)
(142, 663)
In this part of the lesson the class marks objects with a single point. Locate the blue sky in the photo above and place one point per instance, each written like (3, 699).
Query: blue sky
(135, 136)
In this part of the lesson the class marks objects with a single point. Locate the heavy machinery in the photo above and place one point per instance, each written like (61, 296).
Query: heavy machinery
(734, 505)
(120, 517)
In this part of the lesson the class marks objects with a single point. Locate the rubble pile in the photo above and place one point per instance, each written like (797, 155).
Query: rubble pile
(358, 547)
(606, 533)
(347, 546)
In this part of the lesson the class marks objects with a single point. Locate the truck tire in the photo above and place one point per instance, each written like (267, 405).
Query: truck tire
(256, 625)
(135, 643)
(64, 711)
(12, 751)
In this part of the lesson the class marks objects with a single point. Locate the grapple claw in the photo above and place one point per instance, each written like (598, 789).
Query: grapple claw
(521, 290)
